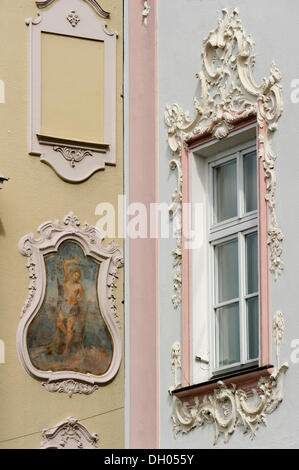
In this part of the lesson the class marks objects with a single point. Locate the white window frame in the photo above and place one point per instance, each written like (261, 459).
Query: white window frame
(235, 228)
(217, 233)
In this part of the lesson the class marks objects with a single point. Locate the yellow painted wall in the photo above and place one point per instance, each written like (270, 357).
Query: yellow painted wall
(34, 195)
(72, 88)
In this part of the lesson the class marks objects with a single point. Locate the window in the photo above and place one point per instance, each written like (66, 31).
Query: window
(233, 246)
(225, 268)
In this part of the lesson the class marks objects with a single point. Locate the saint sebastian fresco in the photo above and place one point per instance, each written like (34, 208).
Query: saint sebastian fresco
(69, 332)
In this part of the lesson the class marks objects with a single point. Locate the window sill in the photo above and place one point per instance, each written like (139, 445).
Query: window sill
(247, 379)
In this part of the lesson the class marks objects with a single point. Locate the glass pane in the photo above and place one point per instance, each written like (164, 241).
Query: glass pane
(228, 334)
(225, 191)
(250, 181)
(228, 272)
(253, 327)
(252, 263)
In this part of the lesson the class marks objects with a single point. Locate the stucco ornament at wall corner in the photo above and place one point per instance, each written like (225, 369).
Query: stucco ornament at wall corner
(229, 407)
(69, 434)
(58, 359)
(229, 95)
(73, 157)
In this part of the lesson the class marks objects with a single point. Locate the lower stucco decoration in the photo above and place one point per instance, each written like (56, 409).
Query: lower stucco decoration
(229, 406)
(229, 95)
(69, 434)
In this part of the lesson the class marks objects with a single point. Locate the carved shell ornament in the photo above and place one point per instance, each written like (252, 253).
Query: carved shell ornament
(229, 94)
(69, 333)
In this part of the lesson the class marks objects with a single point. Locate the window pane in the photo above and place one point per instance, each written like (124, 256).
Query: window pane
(228, 271)
(228, 334)
(253, 327)
(250, 181)
(225, 191)
(252, 263)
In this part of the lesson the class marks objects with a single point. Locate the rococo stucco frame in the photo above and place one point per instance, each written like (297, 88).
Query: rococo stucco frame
(73, 159)
(229, 95)
(52, 235)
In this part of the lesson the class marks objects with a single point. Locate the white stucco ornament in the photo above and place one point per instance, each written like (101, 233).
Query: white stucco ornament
(145, 12)
(229, 95)
(74, 157)
(229, 407)
(176, 364)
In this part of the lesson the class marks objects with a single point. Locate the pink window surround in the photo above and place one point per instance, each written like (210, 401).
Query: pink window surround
(263, 265)
(143, 311)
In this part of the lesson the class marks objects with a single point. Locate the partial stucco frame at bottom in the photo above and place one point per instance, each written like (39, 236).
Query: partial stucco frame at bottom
(230, 98)
(52, 235)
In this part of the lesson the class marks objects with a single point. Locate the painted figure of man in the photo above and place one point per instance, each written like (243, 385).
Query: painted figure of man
(73, 294)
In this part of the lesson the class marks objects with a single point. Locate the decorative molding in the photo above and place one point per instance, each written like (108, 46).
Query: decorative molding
(278, 332)
(176, 364)
(70, 387)
(145, 12)
(72, 155)
(93, 3)
(229, 406)
(73, 18)
(52, 235)
(229, 94)
(69, 434)
(64, 153)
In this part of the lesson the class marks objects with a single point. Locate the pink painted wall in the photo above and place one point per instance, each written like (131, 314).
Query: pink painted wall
(143, 252)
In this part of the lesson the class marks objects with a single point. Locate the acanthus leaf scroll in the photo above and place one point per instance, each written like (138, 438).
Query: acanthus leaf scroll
(229, 95)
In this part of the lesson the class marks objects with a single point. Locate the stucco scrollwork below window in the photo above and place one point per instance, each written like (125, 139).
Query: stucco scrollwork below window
(229, 95)
(230, 100)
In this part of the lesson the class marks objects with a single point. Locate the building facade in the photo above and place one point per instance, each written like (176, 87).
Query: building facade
(153, 122)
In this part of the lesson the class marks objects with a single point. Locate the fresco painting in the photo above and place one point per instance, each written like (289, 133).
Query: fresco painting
(69, 332)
